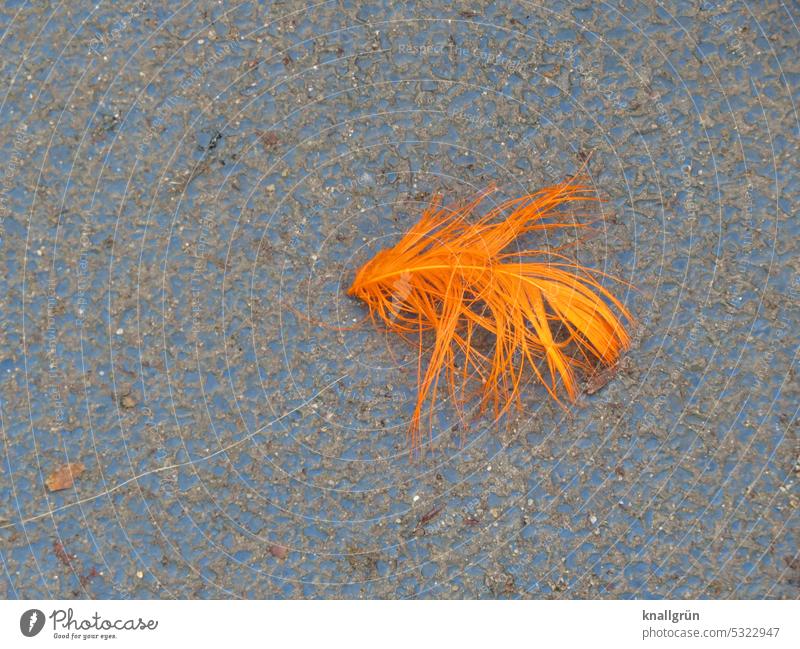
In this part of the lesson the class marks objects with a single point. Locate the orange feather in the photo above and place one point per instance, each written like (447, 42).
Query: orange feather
(455, 277)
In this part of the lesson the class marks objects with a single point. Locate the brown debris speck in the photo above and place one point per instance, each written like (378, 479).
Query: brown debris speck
(278, 551)
(64, 476)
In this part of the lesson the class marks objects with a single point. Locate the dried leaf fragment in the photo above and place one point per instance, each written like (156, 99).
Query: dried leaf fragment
(64, 476)
(600, 379)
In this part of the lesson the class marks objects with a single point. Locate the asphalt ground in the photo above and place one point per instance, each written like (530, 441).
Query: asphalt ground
(182, 180)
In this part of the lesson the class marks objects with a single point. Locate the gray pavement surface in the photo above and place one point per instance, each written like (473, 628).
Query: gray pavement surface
(181, 180)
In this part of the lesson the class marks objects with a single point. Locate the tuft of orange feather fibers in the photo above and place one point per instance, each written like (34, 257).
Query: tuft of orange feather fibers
(455, 277)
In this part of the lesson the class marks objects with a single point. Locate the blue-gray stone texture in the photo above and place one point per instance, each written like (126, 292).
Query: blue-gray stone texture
(182, 182)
